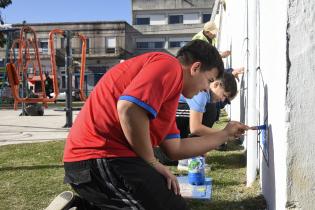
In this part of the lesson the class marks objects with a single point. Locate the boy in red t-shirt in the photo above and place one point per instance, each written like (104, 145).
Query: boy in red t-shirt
(108, 156)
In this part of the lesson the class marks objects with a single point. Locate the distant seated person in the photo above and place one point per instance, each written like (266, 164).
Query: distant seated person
(196, 116)
(208, 34)
(204, 109)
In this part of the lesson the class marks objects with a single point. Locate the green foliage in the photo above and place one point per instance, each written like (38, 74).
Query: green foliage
(5, 3)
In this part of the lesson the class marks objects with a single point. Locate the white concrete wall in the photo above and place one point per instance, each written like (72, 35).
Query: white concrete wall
(301, 100)
(273, 173)
(286, 95)
(233, 37)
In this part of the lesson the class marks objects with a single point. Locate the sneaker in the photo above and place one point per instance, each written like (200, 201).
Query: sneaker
(62, 201)
(182, 165)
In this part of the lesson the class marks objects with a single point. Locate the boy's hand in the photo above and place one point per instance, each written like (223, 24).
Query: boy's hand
(225, 54)
(235, 129)
(172, 182)
(237, 72)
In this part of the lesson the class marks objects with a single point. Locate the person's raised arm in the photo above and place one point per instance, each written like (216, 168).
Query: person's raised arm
(236, 72)
(225, 54)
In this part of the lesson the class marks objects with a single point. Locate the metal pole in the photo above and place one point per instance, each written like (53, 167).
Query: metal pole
(220, 25)
(214, 10)
(24, 85)
(9, 38)
(69, 73)
(252, 110)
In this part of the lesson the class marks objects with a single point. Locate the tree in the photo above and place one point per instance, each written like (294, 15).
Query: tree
(3, 4)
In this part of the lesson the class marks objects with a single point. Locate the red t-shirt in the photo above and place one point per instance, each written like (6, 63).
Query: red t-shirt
(153, 81)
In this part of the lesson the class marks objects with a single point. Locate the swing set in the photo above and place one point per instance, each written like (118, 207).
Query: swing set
(27, 66)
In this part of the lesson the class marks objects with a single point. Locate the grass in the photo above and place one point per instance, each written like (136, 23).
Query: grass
(228, 171)
(31, 175)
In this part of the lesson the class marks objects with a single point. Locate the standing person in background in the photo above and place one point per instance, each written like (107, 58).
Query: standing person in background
(108, 156)
(208, 34)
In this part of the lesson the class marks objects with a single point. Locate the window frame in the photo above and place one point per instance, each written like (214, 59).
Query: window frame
(203, 17)
(172, 18)
(108, 47)
(142, 21)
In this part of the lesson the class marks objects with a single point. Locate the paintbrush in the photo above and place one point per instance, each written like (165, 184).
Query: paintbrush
(258, 127)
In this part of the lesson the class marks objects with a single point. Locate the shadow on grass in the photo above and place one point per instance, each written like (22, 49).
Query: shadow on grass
(35, 167)
(234, 146)
(27, 126)
(229, 161)
(219, 183)
(255, 203)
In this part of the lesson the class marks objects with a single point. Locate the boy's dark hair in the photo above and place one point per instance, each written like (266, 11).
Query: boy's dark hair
(229, 84)
(199, 50)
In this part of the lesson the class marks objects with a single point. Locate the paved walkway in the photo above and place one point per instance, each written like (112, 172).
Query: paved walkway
(15, 129)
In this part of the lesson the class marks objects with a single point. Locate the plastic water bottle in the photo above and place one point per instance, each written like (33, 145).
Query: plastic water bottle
(196, 170)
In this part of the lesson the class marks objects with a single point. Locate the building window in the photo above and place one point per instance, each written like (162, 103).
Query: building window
(175, 19)
(63, 82)
(77, 81)
(150, 45)
(43, 44)
(142, 45)
(62, 43)
(30, 70)
(158, 45)
(206, 17)
(16, 48)
(174, 44)
(142, 21)
(110, 44)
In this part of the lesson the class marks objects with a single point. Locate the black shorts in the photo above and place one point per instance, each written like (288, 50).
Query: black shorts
(121, 183)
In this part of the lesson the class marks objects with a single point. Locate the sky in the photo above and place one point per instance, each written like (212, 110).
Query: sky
(44, 11)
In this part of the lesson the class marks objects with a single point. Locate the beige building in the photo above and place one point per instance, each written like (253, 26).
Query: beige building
(167, 25)
(156, 26)
(107, 44)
